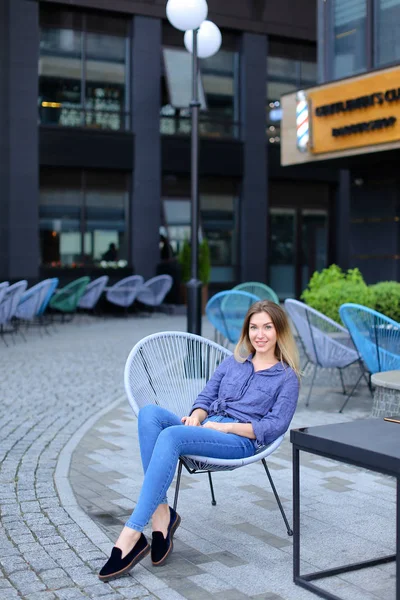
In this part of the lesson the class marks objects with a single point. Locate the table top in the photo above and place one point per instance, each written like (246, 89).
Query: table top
(387, 379)
(370, 443)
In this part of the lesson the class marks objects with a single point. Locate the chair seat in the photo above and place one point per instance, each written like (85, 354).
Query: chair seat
(202, 463)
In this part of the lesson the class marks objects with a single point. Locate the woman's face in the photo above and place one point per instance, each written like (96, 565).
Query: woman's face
(262, 333)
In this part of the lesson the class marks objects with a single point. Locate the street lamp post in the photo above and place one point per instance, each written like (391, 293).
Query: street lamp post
(202, 39)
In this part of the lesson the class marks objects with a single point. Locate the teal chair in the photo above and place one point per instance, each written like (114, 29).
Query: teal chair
(67, 299)
(261, 290)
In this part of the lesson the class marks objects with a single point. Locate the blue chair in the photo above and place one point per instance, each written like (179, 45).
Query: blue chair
(376, 337)
(50, 292)
(226, 312)
(263, 291)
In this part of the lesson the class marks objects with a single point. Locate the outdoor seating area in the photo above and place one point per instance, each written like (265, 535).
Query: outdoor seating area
(43, 303)
(98, 475)
(237, 548)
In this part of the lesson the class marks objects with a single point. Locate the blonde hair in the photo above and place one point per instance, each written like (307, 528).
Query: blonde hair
(285, 349)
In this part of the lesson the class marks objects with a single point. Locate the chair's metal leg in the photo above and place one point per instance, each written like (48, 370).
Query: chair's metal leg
(288, 528)
(312, 385)
(366, 377)
(2, 335)
(178, 482)
(305, 366)
(341, 379)
(213, 500)
(351, 393)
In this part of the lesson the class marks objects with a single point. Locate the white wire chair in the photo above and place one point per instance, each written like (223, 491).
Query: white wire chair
(8, 305)
(326, 344)
(153, 291)
(170, 369)
(93, 291)
(124, 292)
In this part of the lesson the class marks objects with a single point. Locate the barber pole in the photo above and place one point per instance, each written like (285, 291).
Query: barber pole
(302, 121)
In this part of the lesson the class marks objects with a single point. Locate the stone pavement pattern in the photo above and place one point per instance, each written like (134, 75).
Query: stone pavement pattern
(64, 394)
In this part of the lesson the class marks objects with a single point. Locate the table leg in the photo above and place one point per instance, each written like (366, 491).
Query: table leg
(296, 513)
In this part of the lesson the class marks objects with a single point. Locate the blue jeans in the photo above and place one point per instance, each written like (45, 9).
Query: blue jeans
(163, 438)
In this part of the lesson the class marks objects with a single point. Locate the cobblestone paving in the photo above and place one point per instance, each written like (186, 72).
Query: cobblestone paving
(50, 386)
(63, 394)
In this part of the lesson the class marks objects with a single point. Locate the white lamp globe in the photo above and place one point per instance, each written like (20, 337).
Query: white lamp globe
(209, 40)
(186, 14)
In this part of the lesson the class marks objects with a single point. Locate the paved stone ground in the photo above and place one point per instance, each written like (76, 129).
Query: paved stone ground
(70, 474)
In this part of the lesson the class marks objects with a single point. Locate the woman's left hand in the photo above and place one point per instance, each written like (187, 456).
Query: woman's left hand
(223, 427)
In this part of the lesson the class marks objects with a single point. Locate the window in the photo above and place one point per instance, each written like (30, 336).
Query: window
(82, 215)
(218, 222)
(284, 75)
(83, 68)
(387, 33)
(349, 37)
(217, 93)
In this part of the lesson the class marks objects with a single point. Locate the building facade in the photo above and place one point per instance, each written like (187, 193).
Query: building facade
(351, 122)
(95, 143)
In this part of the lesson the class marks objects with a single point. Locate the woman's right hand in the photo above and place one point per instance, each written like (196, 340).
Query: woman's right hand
(192, 420)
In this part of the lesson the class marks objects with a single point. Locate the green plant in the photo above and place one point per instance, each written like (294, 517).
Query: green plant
(387, 298)
(204, 262)
(329, 289)
(329, 298)
(330, 275)
(185, 257)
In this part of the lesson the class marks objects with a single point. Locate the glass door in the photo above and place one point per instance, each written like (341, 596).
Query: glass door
(314, 243)
(282, 255)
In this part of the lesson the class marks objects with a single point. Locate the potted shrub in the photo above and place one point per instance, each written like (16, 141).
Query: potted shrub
(328, 289)
(185, 257)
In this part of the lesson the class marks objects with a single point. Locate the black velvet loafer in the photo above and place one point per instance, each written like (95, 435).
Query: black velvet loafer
(116, 566)
(161, 547)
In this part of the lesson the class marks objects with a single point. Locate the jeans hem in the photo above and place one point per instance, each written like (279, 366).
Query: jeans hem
(133, 526)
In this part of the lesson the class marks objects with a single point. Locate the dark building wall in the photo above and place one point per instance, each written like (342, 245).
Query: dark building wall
(146, 202)
(4, 141)
(284, 18)
(19, 247)
(254, 197)
(375, 228)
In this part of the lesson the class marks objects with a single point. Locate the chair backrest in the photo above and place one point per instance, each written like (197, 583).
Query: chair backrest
(3, 286)
(32, 300)
(50, 292)
(154, 290)
(325, 342)
(376, 336)
(125, 291)
(10, 301)
(66, 300)
(93, 292)
(226, 312)
(263, 291)
(170, 369)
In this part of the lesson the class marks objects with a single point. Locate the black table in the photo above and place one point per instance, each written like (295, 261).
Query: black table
(372, 444)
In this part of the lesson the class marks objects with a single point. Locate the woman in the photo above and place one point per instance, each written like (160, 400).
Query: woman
(248, 402)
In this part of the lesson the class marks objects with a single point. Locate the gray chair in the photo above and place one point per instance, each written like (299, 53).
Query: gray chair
(124, 292)
(8, 306)
(92, 294)
(153, 291)
(327, 344)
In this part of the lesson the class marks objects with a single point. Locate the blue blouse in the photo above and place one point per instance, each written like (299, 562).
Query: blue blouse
(267, 399)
